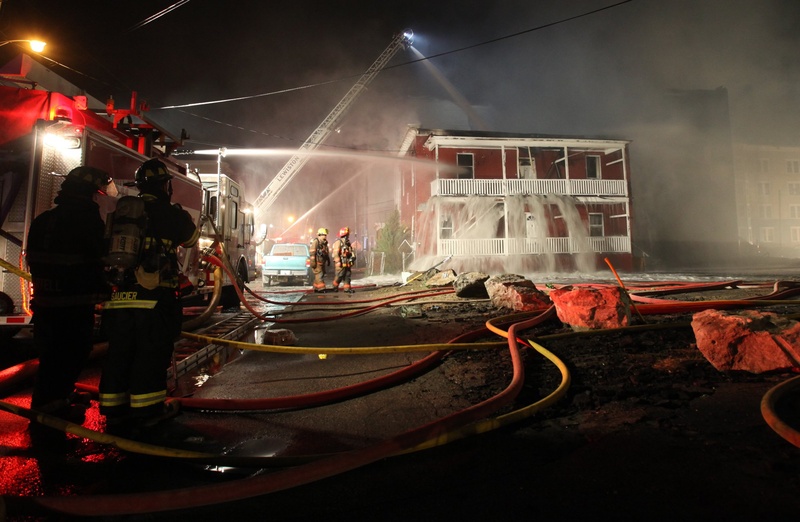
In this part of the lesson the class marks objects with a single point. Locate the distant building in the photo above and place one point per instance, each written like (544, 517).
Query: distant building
(516, 202)
(768, 199)
(684, 183)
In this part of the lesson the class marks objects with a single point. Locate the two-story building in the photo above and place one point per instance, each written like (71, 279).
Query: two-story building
(516, 203)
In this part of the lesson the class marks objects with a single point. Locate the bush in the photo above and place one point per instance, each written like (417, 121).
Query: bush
(389, 240)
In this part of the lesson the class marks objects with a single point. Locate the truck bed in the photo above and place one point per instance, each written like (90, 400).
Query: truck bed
(286, 263)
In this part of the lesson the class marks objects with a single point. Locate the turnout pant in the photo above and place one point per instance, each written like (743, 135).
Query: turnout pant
(319, 276)
(63, 339)
(140, 345)
(342, 277)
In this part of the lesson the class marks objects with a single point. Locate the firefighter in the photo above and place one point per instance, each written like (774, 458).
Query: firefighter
(144, 316)
(64, 250)
(319, 258)
(344, 257)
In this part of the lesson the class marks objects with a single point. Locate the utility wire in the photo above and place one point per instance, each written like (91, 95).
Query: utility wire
(158, 15)
(445, 53)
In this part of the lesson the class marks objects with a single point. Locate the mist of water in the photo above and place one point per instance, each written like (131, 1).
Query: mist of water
(524, 218)
(474, 118)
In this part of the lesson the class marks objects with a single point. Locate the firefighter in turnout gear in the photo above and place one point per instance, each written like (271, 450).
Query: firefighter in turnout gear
(64, 250)
(319, 258)
(344, 257)
(144, 316)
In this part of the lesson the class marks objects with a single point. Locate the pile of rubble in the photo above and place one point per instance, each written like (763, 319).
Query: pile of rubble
(748, 340)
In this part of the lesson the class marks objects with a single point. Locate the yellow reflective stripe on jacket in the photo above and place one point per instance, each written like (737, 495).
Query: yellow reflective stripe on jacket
(114, 399)
(142, 304)
(192, 240)
(148, 399)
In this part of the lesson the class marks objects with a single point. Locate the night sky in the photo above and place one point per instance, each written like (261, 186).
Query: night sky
(596, 68)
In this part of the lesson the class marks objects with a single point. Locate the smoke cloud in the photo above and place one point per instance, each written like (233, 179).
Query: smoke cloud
(680, 79)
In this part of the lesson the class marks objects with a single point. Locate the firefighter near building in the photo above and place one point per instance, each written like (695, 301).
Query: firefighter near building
(344, 257)
(319, 258)
(65, 249)
(144, 316)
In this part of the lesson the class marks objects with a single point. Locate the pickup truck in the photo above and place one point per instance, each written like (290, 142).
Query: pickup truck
(286, 263)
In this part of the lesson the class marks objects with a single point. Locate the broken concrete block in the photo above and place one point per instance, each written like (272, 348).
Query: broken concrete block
(592, 308)
(516, 293)
(747, 340)
(441, 279)
(471, 284)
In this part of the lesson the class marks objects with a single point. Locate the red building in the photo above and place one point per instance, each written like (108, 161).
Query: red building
(499, 202)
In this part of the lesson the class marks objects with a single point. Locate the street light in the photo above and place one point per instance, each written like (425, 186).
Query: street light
(36, 45)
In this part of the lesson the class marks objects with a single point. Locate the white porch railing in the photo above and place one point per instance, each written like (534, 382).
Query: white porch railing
(550, 245)
(529, 187)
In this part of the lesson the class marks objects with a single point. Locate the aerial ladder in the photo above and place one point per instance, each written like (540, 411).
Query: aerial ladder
(328, 125)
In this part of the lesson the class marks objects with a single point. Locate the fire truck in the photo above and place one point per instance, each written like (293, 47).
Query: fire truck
(44, 134)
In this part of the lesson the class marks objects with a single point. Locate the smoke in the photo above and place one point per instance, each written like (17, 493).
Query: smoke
(680, 79)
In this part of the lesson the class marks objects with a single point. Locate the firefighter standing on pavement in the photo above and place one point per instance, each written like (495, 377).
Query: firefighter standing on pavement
(319, 258)
(144, 316)
(344, 258)
(64, 250)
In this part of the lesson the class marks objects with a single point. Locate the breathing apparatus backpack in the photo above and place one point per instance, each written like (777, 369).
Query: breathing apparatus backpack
(126, 229)
(346, 253)
(129, 256)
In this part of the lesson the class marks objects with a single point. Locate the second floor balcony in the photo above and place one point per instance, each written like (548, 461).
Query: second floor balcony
(528, 187)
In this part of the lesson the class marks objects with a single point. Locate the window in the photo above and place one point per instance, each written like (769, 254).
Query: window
(212, 208)
(793, 166)
(765, 211)
(526, 168)
(234, 215)
(596, 225)
(530, 225)
(794, 211)
(593, 167)
(763, 165)
(763, 188)
(446, 228)
(767, 234)
(794, 188)
(466, 165)
(794, 232)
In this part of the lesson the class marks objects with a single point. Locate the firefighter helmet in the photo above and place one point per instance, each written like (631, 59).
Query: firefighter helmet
(87, 179)
(344, 232)
(322, 232)
(151, 171)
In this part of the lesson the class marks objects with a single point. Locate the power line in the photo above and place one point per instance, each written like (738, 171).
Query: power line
(158, 15)
(439, 55)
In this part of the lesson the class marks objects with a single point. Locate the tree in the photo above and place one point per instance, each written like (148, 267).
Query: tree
(389, 240)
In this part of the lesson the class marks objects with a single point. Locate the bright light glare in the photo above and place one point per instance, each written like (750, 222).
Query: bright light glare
(62, 142)
(36, 45)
